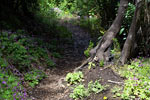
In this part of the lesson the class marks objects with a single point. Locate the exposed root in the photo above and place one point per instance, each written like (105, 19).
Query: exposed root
(60, 82)
(115, 82)
(83, 65)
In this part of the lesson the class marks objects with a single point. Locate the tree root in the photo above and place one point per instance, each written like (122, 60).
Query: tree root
(60, 82)
(82, 65)
(115, 82)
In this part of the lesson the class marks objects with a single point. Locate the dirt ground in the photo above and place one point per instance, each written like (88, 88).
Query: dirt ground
(51, 87)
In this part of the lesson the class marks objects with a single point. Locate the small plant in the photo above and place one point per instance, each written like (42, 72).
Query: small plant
(101, 63)
(116, 49)
(79, 92)
(95, 87)
(11, 87)
(56, 55)
(34, 77)
(74, 78)
(116, 91)
(91, 64)
(87, 51)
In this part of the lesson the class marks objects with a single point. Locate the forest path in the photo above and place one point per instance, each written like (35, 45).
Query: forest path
(50, 88)
(54, 88)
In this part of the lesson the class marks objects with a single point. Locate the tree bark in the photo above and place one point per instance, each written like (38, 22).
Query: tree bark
(128, 47)
(99, 52)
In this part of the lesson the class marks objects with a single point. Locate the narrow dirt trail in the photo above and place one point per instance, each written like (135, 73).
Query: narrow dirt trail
(50, 88)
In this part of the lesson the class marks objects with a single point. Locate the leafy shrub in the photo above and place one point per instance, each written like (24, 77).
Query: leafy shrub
(56, 55)
(127, 22)
(40, 54)
(74, 78)
(87, 51)
(79, 92)
(14, 51)
(101, 63)
(22, 50)
(138, 82)
(95, 87)
(91, 64)
(3, 63)
(116, 49)
(33, 77)
(116, 91)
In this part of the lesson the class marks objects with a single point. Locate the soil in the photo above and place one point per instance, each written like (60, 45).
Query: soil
(54, 88)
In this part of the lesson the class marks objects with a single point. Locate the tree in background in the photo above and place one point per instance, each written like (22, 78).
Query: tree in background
(137, 37)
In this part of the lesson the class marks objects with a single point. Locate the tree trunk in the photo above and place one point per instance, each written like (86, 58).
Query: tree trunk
(128, 47)
(99, 52)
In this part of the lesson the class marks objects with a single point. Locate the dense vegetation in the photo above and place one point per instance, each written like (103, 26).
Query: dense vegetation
(31, 32)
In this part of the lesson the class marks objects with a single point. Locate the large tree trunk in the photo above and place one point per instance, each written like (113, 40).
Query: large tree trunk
(130, 42)
(99, 52)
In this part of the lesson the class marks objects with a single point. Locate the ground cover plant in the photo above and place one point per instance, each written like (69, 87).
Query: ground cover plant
(74, 78)
(11, 87)
(79, 90)
(17, 54)
(33, 77)
(22, 50)
(137, 83)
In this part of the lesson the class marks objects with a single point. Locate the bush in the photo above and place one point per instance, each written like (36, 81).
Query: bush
(74, 78)
(21, 50)
(33, 77)
(79, 92)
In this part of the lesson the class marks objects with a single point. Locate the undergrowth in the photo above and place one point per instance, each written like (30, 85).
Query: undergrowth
(21, 59)
(22, 50)
(10, 86)
(75, 81)
(137, 84)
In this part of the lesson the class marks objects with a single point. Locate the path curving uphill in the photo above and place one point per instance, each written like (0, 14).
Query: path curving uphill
(50, 88)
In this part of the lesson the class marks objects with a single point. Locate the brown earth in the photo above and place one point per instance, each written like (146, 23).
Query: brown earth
(54, 88)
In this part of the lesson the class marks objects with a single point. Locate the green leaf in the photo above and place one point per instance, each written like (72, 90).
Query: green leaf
(121, 31)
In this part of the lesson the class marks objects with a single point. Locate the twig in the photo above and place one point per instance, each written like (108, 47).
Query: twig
(119, 83)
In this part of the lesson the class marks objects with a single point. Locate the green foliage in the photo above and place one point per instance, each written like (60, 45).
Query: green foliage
(10, 88)
(101, 63)
(130, 12)
(33, 77)
(74, 78)
(3, 62)
(91, 64)
(21, 50)
(56, 55)
(79, 92)
(14, 51)
(116, 91)
(116, 49)
(128, 19)
(87, 51)
(95, 87)
(138, 79)
(91, 23)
